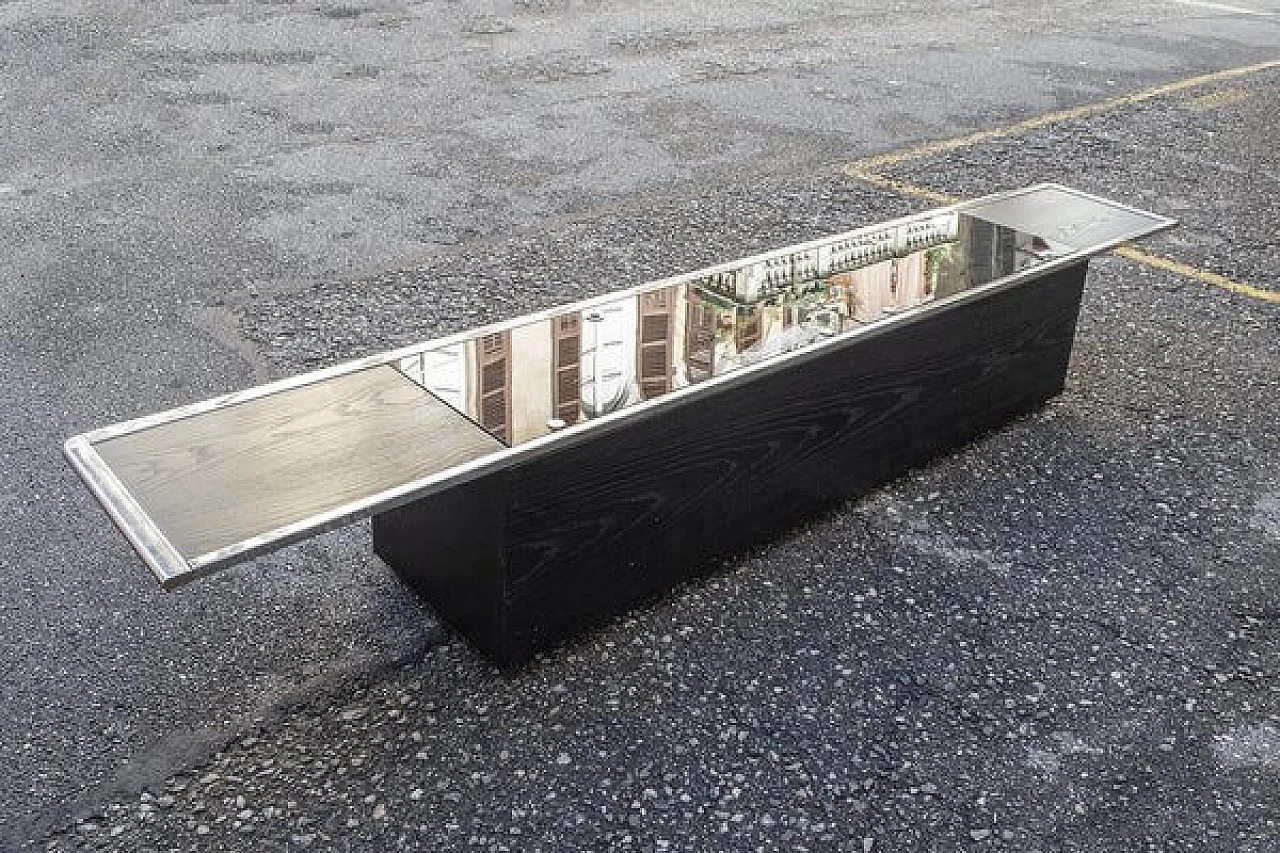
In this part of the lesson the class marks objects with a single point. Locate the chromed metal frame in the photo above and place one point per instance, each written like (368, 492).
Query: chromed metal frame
(171, 569)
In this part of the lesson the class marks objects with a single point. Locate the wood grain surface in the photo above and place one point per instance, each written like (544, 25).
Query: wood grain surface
(230, 474)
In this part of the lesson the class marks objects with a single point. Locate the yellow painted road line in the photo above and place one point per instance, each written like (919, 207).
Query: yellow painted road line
(944, 146)
(903, 187)
(1127, 252)
(1197, 274)
(1215, 100)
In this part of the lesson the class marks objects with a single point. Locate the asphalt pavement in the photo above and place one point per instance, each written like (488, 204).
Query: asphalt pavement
(1063, 637)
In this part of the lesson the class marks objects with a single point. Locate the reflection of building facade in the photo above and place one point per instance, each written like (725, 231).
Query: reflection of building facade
(869, 290)
(522, 382)
(987, 252)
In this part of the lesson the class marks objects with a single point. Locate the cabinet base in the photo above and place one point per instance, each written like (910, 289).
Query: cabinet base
(524, 557)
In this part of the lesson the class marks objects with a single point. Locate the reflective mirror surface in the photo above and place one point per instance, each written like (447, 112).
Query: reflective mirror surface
(530, 380)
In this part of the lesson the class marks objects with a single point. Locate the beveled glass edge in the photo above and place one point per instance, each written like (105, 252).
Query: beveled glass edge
(111, 492)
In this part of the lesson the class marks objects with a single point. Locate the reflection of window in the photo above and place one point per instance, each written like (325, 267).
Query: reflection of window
(656, 326)
(495, 381)
(989, 250)
(495, 374)
(608, 348)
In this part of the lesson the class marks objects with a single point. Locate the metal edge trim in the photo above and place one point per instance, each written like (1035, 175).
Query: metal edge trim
(391, 498)
(162, 558)
(1159, 224)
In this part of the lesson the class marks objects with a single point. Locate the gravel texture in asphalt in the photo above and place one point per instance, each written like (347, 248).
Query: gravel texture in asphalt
(1063, 637)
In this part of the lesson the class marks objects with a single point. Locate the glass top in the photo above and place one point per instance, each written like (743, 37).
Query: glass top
(528, 381)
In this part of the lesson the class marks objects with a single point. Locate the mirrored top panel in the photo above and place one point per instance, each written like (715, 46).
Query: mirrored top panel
(530, 380)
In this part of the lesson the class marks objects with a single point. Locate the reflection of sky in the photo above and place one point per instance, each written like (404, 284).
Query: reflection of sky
(442, 372)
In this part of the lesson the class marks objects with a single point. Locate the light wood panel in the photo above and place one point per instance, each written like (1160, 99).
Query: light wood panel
(233, 473)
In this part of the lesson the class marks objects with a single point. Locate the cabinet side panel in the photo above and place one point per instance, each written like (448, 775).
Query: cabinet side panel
(448, 548)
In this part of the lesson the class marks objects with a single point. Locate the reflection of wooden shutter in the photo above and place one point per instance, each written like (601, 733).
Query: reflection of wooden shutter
(495, 381)
(567, 347)
(700, 337)
(654, 356)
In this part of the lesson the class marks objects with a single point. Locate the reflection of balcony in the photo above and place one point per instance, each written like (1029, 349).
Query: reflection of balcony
(860, 251)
